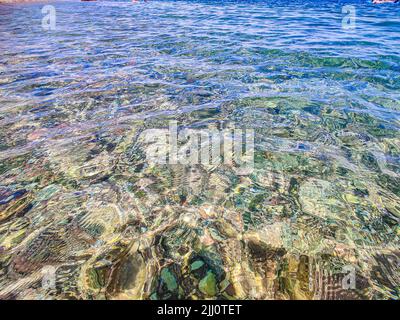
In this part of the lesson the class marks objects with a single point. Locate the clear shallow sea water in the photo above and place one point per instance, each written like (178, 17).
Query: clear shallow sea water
(82, 208)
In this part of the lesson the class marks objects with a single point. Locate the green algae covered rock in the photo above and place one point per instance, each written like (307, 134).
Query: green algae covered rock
(169, 279)
(207, 285)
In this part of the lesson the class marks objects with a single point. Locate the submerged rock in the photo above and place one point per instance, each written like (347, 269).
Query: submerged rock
(14, 203)
(207, 285)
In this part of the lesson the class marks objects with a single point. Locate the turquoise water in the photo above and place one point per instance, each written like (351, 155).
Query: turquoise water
(81, 205)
